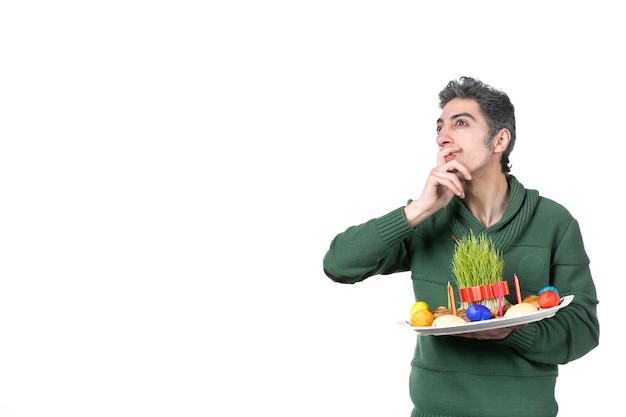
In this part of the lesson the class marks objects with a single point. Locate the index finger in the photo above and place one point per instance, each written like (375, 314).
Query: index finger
(444, 153)
(455, 167)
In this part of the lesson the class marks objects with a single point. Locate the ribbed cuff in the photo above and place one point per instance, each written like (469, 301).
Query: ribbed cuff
(521, 339)
(393, 226)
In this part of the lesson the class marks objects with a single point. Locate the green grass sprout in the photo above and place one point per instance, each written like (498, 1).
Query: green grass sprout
(476, 261)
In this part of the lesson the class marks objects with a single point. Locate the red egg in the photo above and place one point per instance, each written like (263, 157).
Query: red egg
(548, 299)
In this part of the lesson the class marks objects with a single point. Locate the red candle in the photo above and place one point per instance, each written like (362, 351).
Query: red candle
(517, 291)
(500, 299)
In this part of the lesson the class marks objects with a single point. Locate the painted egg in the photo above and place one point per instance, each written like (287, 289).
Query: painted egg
(549, 299)
(477, 312)
(548, 288)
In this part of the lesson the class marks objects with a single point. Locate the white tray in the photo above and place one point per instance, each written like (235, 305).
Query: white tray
(497, 323)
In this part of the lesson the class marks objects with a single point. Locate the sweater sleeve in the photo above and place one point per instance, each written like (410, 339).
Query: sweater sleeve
(372, 248)
(574, 330)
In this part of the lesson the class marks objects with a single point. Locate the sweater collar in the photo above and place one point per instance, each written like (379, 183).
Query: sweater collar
(521, 206)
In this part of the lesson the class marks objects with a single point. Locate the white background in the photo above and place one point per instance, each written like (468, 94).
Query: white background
(171, 174)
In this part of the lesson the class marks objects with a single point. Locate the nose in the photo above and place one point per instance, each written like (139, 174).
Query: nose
(443, 138)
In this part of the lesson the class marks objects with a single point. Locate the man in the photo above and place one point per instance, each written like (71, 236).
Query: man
(510, 371)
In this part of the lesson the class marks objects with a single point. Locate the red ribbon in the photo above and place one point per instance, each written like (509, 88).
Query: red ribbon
(483, 292)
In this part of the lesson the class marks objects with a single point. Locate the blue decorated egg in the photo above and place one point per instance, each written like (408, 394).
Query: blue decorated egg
(477, 312)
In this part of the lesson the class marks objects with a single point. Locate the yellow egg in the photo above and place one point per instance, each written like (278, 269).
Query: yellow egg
(420, 305)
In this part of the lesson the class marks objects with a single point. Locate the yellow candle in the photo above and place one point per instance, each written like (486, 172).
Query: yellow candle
(451, 300)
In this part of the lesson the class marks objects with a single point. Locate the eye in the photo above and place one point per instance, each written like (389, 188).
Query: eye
(461, 122)
(438, 129)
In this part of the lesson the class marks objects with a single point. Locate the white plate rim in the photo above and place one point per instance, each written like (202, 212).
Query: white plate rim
(492, 324)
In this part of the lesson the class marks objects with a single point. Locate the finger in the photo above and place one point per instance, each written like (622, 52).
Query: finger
(445, 152)
(463, 172)
(455, 167)
(448, 180)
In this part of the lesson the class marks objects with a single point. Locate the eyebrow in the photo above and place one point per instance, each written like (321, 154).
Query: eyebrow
(456, 116)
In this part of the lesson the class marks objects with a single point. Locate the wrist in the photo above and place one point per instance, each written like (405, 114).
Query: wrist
(415, 213)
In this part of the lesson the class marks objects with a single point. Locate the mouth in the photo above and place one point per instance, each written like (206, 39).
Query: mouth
(450, 157)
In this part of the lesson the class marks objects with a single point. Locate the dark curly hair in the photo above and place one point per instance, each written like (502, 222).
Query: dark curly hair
(495, 106)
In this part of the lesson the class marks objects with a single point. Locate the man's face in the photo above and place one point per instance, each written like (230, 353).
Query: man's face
(462, 130)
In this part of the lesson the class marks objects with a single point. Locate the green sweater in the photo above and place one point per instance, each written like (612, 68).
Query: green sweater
(457, 377)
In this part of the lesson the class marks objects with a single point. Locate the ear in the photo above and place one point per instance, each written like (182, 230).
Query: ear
(501, 141)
